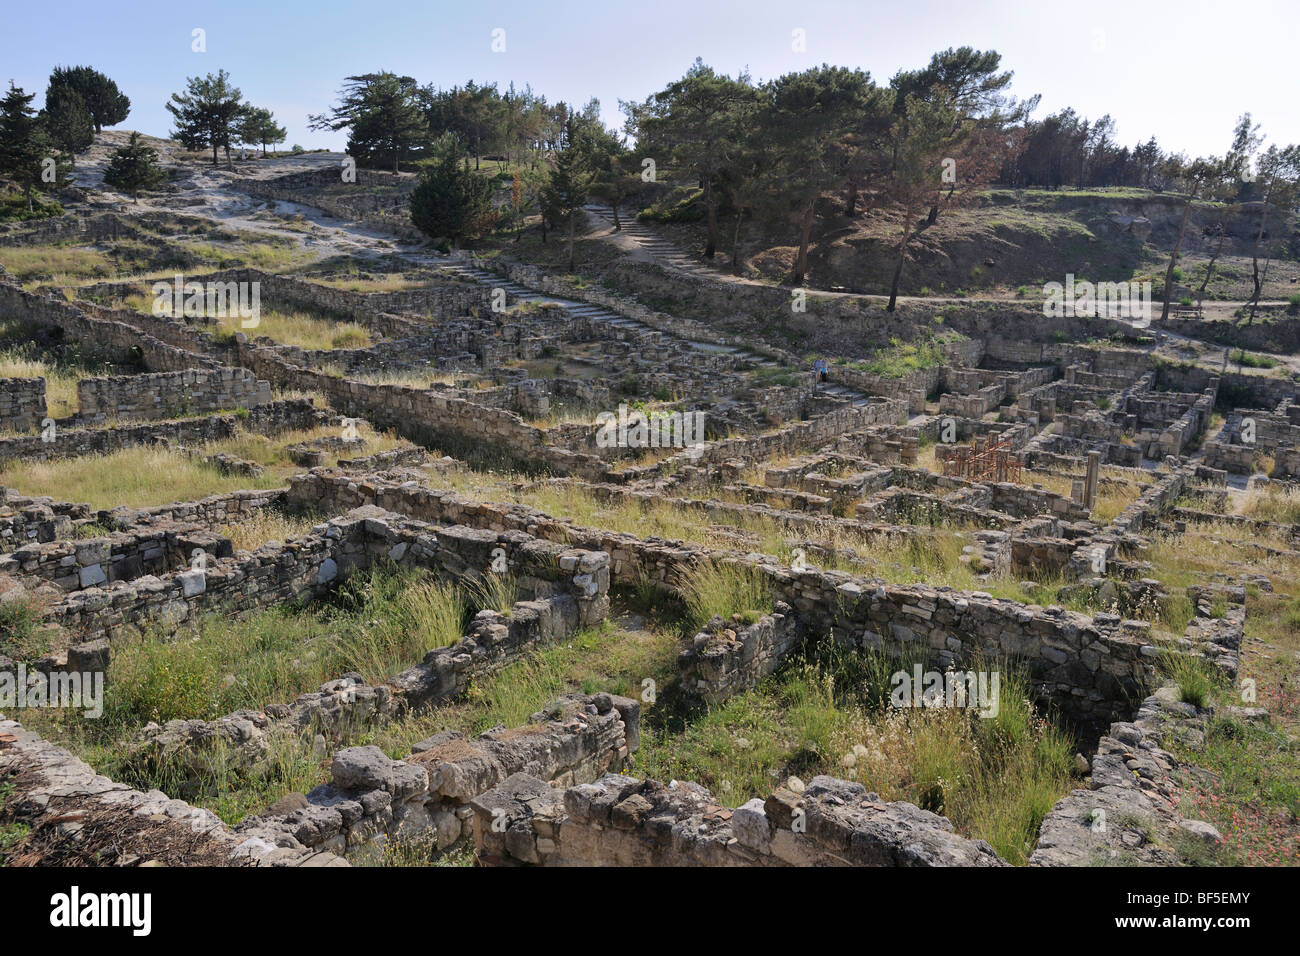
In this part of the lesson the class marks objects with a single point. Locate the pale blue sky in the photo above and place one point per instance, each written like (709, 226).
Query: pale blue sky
(1182, 71)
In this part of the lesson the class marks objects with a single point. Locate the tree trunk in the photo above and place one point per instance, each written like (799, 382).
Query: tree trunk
(1254, 256)
(573, 220)
(736, 261)
(618, 226)
(851, 204)
(1209, 269)
(805, 234)
(711, 213)
(898, 269)
(1173, 258)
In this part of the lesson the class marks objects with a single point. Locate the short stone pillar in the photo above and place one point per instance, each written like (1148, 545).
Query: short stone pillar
(1091, 479)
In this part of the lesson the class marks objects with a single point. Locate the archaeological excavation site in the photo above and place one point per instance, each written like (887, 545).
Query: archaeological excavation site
(507, 483)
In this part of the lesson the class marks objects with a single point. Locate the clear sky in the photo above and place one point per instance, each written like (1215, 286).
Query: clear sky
(1182, 71)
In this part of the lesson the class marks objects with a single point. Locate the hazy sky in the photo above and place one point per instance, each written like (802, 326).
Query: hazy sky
(1181, 71)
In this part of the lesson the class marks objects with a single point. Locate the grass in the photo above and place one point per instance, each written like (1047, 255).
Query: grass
(1249, 783)
(1252, 359)
(723, 590)
(60, 383)
(374, 284)
(20, 636)
(256, 528)
(301, 329)
(54, 262)
(1193, 676)
(378, 623)
(135, 477)
(995, 779)
(903, 359)
(22, 357)
(1275, 503)
(143, 476)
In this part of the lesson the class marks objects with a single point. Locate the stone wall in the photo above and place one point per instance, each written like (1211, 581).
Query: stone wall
(122, 556)
(118, 341)
(22, 403)
(59, 790)
(424, 800)
(280, 572)
(623, 821)
(725, 658)
(169, 394)
(269, 419)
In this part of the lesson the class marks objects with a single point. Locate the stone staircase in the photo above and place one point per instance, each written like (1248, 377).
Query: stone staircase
(662, 249)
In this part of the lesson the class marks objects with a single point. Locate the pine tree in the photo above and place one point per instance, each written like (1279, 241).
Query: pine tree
(450, 201)
(27, 153)
(68, 121)
(257, 126)
(106, 104)
(381, 112)
(206, 113)
(134, 167)
(571, 178)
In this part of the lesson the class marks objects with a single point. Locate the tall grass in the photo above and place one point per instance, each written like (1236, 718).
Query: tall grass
(722, 589)
(1195, 677)
(995, 778)
(492, 592)
(1274, 504)
(136, 477)
(256, 528)
(144, 476)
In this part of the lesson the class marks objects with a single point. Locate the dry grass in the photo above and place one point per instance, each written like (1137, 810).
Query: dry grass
(301, 329)
(146, 477)
(256, 528)
(134, 477)
(410, 378)
(56, 263)
(60, 383)
(1278, 504)
(385, 284)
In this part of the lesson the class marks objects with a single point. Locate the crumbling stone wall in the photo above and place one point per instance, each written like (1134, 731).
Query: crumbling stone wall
(623, 821)
(74, 565)
(725, 659)
(119, 341)
(424, 799)
(279, 572)
(268, 419)
(22, 403)
(67, 789)
(1089, 671)
(169, 394)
